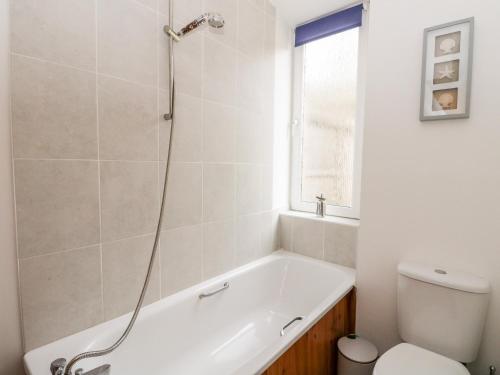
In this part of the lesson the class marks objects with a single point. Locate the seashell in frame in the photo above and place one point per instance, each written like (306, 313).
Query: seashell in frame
(447, 45)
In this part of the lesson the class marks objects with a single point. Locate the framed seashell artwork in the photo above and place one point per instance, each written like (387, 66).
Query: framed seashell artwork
(447, 70)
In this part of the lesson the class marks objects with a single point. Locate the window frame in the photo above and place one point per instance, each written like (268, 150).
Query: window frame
(296, 203)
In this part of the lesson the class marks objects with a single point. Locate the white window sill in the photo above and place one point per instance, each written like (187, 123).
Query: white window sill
(328, 219)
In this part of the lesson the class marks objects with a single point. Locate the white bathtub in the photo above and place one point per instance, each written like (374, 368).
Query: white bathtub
(236, 331)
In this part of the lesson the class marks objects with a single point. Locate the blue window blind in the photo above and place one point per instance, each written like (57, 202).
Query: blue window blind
(329, 25)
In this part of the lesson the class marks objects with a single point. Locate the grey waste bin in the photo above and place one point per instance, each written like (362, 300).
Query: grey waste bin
(357, 356)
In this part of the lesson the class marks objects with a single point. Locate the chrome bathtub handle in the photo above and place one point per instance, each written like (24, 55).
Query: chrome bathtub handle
(209, 294)
(282, 333)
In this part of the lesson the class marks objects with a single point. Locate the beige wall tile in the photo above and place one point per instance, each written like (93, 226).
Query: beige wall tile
(259, 4)
(53, 111)
(270, 36)
(270, 9)
(163, 7)
(54, 30)
(268, 63)
(124, 268)
(128, 121)
(61, 294)
(163, 104)
(218, 192)
(188, 65)
(308, 237)
(219, 129)
(248, 189)
(163, 53)
(267, 187)
(248, 239)
(153, 4)
(219, 72)
(267, 144)
(250, 83)
(57, 205)
(229, 10)
(188, 129)
(185, 11)
(250, 19)
(129, 198)
(127, 41)
(184, 195)
(270, 232)
(341, 243)
(188, 54)
(218, 248)
(332, 241)
(181, 256)
(286, 232)
(249, 137)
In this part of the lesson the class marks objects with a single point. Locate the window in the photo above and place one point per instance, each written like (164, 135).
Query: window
(326, 130)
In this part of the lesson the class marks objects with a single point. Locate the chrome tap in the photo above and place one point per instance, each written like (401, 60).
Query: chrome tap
(57, 368)
(321, 206)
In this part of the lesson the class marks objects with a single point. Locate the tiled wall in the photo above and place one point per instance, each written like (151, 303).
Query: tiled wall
(331, 239)
(89, 83)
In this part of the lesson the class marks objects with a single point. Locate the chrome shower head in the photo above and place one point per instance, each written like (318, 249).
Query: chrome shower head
(215, 20)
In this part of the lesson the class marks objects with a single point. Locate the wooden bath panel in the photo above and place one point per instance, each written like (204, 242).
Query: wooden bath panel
(315, 353)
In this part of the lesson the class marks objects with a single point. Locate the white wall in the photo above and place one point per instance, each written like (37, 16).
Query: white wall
(430, 191)
(10, 334)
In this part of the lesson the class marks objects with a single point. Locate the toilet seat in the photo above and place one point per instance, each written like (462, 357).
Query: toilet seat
(411, 360)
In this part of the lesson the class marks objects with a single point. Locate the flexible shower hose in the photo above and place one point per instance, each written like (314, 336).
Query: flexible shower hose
(99, 353)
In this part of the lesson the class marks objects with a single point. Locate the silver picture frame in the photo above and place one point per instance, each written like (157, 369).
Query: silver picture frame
(447, 71)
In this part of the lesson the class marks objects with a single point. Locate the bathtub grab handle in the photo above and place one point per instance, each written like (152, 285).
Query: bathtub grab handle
(210, 294)
(282, 333)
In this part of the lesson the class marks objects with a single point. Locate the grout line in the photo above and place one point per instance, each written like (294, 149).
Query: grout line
(57, 252)
(91, 245)
(96, 72)
(148, 161)
(147, 7)
(253, 5)
(159, 185)
(95, 160)
(105, 75)
(99, 156)
(18, 261)
(235, 145)
(323, 235)
(202, 76)
(53, 62)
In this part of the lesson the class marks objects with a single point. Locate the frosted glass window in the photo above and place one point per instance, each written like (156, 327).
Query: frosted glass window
(329, 108)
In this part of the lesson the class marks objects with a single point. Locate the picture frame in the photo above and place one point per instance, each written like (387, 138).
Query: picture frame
(447, 71)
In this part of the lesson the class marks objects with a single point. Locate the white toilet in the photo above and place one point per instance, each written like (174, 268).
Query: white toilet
(441, 317)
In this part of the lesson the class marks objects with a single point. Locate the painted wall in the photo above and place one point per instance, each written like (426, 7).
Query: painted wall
(10, 327)
(430, 191)
(89, 93)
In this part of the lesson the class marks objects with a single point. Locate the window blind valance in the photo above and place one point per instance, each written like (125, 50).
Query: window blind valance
(329, 25)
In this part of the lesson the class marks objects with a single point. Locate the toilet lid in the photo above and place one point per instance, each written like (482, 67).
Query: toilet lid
(411, 360)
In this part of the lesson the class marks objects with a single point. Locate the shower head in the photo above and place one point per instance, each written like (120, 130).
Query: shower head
(215, 20)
